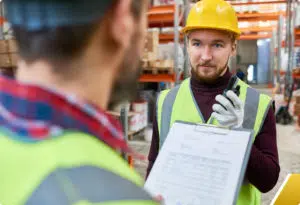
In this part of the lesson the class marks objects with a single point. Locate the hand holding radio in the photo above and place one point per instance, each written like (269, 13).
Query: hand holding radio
(229, 111)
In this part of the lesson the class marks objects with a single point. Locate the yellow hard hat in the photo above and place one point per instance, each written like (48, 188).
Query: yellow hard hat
(212, 14)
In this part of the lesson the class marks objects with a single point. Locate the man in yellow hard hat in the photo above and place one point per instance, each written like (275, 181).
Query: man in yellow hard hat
(58, 146)
(212, 32)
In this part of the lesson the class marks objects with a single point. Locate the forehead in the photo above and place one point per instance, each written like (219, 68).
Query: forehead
(209, 35)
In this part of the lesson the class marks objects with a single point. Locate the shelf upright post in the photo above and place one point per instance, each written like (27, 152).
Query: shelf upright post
(2, 16)
(279, 46)
(186, 68)
(176, 43)
(272, 58)
(124, 122)
(290, 48)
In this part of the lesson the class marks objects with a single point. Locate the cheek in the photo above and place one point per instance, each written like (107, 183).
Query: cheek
(221, 58)
(194, 55)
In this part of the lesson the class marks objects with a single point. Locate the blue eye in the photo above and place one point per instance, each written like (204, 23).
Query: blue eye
(196, 44)
(218, 45)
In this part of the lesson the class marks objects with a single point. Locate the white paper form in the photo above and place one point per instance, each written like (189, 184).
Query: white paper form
(200, 165)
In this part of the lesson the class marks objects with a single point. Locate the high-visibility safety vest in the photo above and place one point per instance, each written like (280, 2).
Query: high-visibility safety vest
(179, 104)
(73, 169)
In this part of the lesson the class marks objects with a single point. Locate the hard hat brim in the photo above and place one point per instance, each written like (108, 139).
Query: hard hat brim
(185, 30)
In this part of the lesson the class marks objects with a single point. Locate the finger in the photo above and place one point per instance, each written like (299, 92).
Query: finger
(225, 102)
(220, 109)
(159, 198)
(224, 120)
(235, 99)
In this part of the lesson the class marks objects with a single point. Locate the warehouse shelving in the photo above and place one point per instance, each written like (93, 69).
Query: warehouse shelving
(256, 2)
(160, 17)
(270, 16)
(258, 29)
(255, 36)
(163, 16)
(169, 78)
(168, 37)
(295, 75)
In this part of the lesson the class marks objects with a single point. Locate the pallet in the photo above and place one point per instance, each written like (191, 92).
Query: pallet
(158, 67)
(135, 134)
(156, 71)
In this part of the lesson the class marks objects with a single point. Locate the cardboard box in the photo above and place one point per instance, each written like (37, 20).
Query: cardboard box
(3, 46)
(151, 46)
(134, 123)
(8, 46)
(145, 64)
(297, 99)
(12, 46)
(141, 107)
(297, 109)
(152, 41)
(5, 60)
(14, 59)
(8, 59)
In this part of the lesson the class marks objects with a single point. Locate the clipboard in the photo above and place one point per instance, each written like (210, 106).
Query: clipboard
(195, 161)
(289, 192)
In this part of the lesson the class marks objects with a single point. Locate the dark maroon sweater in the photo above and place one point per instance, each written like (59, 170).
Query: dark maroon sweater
(263, 167)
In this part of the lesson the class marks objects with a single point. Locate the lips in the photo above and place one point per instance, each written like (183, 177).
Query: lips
(206, 67)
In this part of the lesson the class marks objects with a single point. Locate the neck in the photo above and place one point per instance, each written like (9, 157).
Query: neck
(94, 87)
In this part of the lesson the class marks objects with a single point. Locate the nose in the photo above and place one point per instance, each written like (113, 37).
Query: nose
(206, 54)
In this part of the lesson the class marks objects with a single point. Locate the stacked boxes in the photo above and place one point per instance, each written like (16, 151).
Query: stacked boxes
(157, 57)
(297, 106)
(8, 53)
(140, 118)
(151, 46)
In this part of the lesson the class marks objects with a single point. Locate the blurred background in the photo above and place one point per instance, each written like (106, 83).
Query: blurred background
(268, 58)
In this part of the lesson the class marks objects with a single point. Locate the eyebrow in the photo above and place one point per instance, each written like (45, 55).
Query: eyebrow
(214, 41)
(219, 41)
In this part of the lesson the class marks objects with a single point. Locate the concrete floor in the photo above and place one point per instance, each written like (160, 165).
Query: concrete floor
(289, 152)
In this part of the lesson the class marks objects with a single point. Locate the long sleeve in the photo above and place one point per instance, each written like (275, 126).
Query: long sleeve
(154, 145)
(263, 167)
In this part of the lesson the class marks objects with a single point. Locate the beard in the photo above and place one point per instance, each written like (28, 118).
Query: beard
(126, 85)
(209, 78)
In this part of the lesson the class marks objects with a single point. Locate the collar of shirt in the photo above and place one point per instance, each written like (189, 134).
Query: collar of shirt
(32, 113)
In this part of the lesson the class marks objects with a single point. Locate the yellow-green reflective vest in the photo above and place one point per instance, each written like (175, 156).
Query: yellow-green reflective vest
(73, 169)
(178, 104)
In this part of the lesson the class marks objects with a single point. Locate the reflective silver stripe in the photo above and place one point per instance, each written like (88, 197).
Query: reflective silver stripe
(166, 114)
(92, 184)
(251, 107)
(265, 115)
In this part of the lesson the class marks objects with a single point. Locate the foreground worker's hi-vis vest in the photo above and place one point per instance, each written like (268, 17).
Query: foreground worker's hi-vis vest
(74, 169)
(178, 104)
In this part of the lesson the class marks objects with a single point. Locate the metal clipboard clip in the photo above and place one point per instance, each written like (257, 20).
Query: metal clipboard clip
(212, 129)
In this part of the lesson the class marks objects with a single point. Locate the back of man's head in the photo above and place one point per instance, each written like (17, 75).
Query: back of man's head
(58, 31)
(95, 41)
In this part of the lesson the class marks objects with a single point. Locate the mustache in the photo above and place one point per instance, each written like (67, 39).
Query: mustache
(207, 64)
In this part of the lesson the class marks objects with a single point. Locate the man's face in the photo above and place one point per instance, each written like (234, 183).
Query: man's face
(209, 52)
(125, 87)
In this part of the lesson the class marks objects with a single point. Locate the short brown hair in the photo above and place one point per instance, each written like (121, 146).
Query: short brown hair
(60, 44)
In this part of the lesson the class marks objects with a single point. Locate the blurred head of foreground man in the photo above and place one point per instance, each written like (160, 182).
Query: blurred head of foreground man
(212, 32)
(58, 146)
